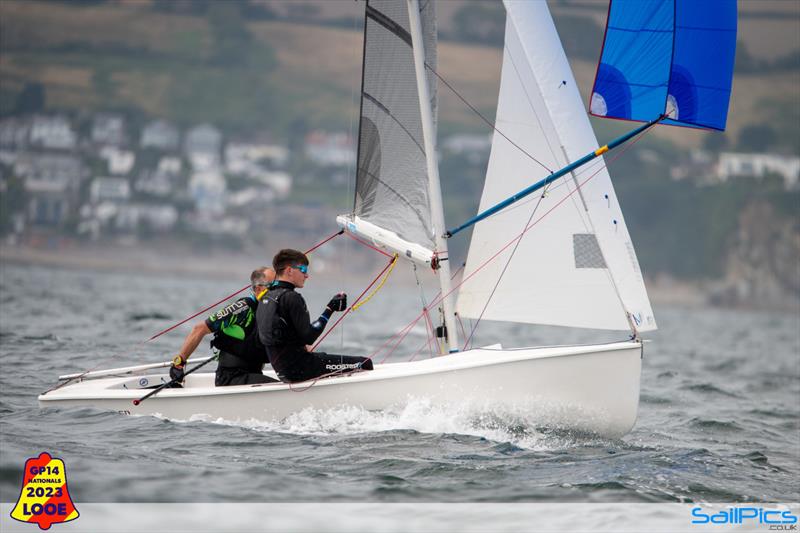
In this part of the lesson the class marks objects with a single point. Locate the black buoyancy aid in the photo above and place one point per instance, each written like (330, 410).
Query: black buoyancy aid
(273, 328)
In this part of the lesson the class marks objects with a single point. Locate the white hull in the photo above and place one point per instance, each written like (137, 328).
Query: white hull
(593, 388)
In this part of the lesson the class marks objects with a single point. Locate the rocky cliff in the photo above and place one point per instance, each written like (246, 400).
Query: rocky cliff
(763, 264)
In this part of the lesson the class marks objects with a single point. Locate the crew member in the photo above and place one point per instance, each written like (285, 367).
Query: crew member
(241, 354)
(285, 328)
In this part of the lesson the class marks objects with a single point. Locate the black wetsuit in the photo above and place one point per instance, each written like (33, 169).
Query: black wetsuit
(241, 354)
(285, 328)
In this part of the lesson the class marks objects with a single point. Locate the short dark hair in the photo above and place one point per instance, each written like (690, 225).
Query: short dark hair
(286, 258)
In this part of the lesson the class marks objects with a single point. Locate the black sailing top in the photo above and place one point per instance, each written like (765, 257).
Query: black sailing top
(285, 328)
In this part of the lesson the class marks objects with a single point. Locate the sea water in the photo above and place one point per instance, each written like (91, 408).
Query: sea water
(719, 417)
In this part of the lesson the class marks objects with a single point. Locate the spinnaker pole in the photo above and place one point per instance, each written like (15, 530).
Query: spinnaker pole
(554, 176)
(434, 186)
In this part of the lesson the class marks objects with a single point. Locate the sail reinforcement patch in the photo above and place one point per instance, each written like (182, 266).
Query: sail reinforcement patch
(587, 251)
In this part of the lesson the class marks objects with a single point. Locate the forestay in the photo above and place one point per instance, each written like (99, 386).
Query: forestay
(392, 180)
(577, 267)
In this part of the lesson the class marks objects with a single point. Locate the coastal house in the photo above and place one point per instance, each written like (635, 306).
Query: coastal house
(229, 229)
(170, 165)
(154, 218)
(108, 130)
(161, 135)
(162, 181)
(52, 132)
(743, 165)
(120, 162)
(251, 197)
(52, 183)
(243, 157)
(278, 182)
(336, 149)
(699, 167)
(109, 189)
(14, 133)
(109, 217)
(207, 190)
(155, 183)
(202, 147)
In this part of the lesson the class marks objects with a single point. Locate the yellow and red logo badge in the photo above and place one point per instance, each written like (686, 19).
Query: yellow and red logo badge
(44, 499)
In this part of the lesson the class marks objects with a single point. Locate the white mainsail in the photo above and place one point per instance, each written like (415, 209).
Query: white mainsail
(392, 178)
(577, 266)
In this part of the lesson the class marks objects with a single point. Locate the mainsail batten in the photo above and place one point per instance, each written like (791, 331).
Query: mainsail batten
(555, 276)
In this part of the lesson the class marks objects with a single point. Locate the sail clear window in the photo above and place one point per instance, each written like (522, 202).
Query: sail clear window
(587, 251)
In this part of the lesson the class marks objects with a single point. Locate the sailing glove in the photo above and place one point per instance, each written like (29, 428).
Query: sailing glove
(338, 302)
(176, 373)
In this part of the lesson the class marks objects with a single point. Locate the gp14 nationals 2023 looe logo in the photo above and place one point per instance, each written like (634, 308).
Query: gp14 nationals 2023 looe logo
(44, 498)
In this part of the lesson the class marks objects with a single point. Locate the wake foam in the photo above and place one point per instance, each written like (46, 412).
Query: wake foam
(520, 427)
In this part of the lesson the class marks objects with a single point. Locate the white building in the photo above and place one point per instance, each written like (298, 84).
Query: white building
(109, 190)
(240, 157)
(736, 165)
(160, 134)
(14, 133)
(170, 165)
(280, 183)
(155, 217)
(333, 149)
(53, 184)
(108, 129)
(207, 189)
(52, 132)
(120, 162)
(203, 146)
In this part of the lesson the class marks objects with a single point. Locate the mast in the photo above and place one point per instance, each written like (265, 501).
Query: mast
(434, 187)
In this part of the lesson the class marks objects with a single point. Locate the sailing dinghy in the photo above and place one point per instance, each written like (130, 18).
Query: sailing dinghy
(562, 256)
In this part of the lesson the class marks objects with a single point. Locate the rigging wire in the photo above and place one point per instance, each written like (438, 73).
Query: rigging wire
(167, 330)
(505, 268)
(352, 175)
(430, 330)
(484, 119)
(404, 331)
(349, 309)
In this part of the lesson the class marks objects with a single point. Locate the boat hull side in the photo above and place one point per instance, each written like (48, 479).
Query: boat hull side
(594, 391)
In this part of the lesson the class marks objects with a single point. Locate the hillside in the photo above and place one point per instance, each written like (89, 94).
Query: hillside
(248, 74)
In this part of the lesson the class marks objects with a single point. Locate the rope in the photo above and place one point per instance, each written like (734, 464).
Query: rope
(160, 333)
(379, 287)
(323, 242)
(430, 329)
(347, 311)
(185, 320)
(405, 330)
(368, 245)
(438, 298)
(528, 227)
(355, 305)
(463, 332)
(401, 334)
(505, 269)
